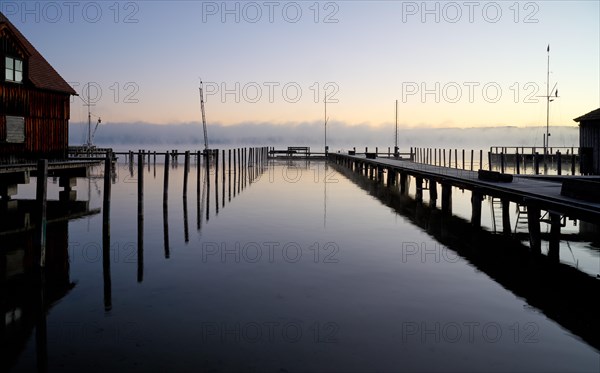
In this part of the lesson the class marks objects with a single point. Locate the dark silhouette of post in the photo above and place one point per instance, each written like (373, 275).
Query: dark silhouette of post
(140, 219)
(41, 197)
(533, 223)
(476, 198)
(106, 234)
(186, 170)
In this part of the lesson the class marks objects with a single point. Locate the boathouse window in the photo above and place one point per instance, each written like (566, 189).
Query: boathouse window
(15, 130)
(13, 70)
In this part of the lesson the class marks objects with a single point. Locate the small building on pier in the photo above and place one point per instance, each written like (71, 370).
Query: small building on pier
(34, 101)
(589, 142)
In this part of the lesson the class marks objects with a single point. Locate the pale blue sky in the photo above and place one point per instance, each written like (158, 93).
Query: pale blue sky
(373, 53)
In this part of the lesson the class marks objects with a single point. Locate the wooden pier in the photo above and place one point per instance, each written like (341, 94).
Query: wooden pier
(535, 193)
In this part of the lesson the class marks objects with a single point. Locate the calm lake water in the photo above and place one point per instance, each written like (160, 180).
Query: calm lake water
(299, 266)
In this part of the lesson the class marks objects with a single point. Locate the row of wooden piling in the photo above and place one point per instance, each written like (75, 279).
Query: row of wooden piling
(444, 158)
(437, 157)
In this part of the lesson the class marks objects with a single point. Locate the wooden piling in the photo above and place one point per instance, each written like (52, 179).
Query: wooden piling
(506, 216)
(502, 162)
(517, 162)
(554, 246)
(472, 155)
(536, 163)
(186, 169)
(559, 162)
(166, 179)
(433, 190)
(446, 198)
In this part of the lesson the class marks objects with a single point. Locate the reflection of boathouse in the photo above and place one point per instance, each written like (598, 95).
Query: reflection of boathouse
(34, 100)
(26, 296)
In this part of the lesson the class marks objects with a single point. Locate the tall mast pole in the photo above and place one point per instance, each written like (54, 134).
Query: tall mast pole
(89, 142)
(396, 133)
(547, 111)
(325, 102)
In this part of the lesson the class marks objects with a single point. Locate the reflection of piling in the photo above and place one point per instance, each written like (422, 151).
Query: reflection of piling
(229, 174)
(140, 220)
(166, 230)
(217, 181)
(41, 196)
(223, 179)
(106, 233)
(186, 231)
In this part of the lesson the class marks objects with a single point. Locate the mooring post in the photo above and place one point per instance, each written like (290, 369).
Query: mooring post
(446, 198)
(536, 163)
(166, 179)
(558, 162)
(472, 155)
(490, 160)
(572, 162)
(186, 169)
(506, 216)
(41, 198)
(463, 159)
(533, 223)
(455, 158)
(502, 162)
(444, 154)
(518, 161)
(554, 247)
(476, 198)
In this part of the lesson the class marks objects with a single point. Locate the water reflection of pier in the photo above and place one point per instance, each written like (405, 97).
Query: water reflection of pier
(563, 293)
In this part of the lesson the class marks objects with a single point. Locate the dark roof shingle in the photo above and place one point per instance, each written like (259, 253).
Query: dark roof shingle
(40, 72)
(592, 115)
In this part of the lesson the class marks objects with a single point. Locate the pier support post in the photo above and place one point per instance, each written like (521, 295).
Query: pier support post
(403, 182)
(554, 249)
(432, 192)
(391, 177)
(558, 163)
(536, 162)
(533, 223)
(506, 216)
(419, 189)
(446, 198)
(476, 198)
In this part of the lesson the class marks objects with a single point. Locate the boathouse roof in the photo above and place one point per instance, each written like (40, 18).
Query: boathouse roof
(592, 115)
(40, 73)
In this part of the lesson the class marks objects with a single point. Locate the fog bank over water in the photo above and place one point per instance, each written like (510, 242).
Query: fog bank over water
(339, 135)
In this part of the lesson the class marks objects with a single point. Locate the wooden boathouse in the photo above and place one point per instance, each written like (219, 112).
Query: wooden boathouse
(589, 141)
(34, 101)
